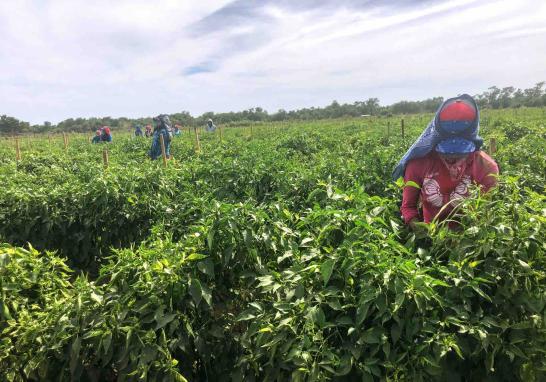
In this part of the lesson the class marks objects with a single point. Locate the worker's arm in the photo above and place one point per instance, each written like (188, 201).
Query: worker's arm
(485, 170)
(410, 197)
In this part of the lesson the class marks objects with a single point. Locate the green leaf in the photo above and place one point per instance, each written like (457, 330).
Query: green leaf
(411, 183)
(265, 281)
(196, 291)
(326, 269)
(164, 320)
(256, 306)
(5, 311)
(362, 313)
(316, 315)
(305, 241)
(387, 349)
(4, 260)
(480, 292)
(207, 267)
(371, 336)
(75, 355)
(396, 331)
(210, 238)
(524, 264)
(367, 377)
(345, 365)
(207, 294)
(76, 345)
(377, 210)
(106, 341)
(97, 298)
(284, 256)
(246, 315)
(148, 354)
(91, 334)
(399, 300)
(247, 237)
(195, 256)
(344, 320)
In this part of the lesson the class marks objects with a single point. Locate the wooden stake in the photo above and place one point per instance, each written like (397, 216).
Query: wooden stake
(49, 139)
(388, 130)
(197, 143)
(402, 125)
(221, 133)
(163, 154)
(251, 131)
(65, 140)
(17, 150)
(492, 146)
(105, 157)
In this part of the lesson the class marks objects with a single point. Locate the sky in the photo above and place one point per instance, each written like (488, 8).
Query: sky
(64, 59)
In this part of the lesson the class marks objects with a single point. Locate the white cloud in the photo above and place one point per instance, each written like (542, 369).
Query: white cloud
(62, 59)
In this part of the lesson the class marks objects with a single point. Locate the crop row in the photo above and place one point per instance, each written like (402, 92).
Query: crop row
(280, 257)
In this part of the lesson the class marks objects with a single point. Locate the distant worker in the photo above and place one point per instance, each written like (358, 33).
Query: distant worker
(138, 131)
(162, 125)
(96, 138)
(211, 127)
(148, 131)
(106, 135)
(443, 162)
(177, 130)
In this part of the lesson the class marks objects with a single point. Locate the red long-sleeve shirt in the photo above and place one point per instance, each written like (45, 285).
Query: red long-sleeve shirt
(437, 188)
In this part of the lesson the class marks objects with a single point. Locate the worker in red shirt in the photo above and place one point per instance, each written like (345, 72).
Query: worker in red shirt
(439, 168)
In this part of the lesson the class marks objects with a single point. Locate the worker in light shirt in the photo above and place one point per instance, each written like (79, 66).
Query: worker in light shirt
(441, 165)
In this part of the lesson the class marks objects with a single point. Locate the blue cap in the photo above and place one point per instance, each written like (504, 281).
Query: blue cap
(455, 127)
(455, 146)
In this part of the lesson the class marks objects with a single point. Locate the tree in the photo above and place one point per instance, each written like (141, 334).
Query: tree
(372, 106)
(10, 125)
(506, 96)
(493, 97)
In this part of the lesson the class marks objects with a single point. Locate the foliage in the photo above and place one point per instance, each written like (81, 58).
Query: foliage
(272, 255)
(493, 98)
(509, 96)
(10, 125)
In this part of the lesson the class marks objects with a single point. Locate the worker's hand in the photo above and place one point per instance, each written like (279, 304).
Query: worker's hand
(419, 228)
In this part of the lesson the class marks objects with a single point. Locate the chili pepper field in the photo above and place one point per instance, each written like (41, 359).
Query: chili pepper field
(276, 252)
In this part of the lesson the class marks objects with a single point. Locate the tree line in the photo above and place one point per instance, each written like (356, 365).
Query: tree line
(493, 98)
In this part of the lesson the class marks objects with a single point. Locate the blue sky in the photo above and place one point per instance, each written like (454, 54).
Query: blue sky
(75, 58)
